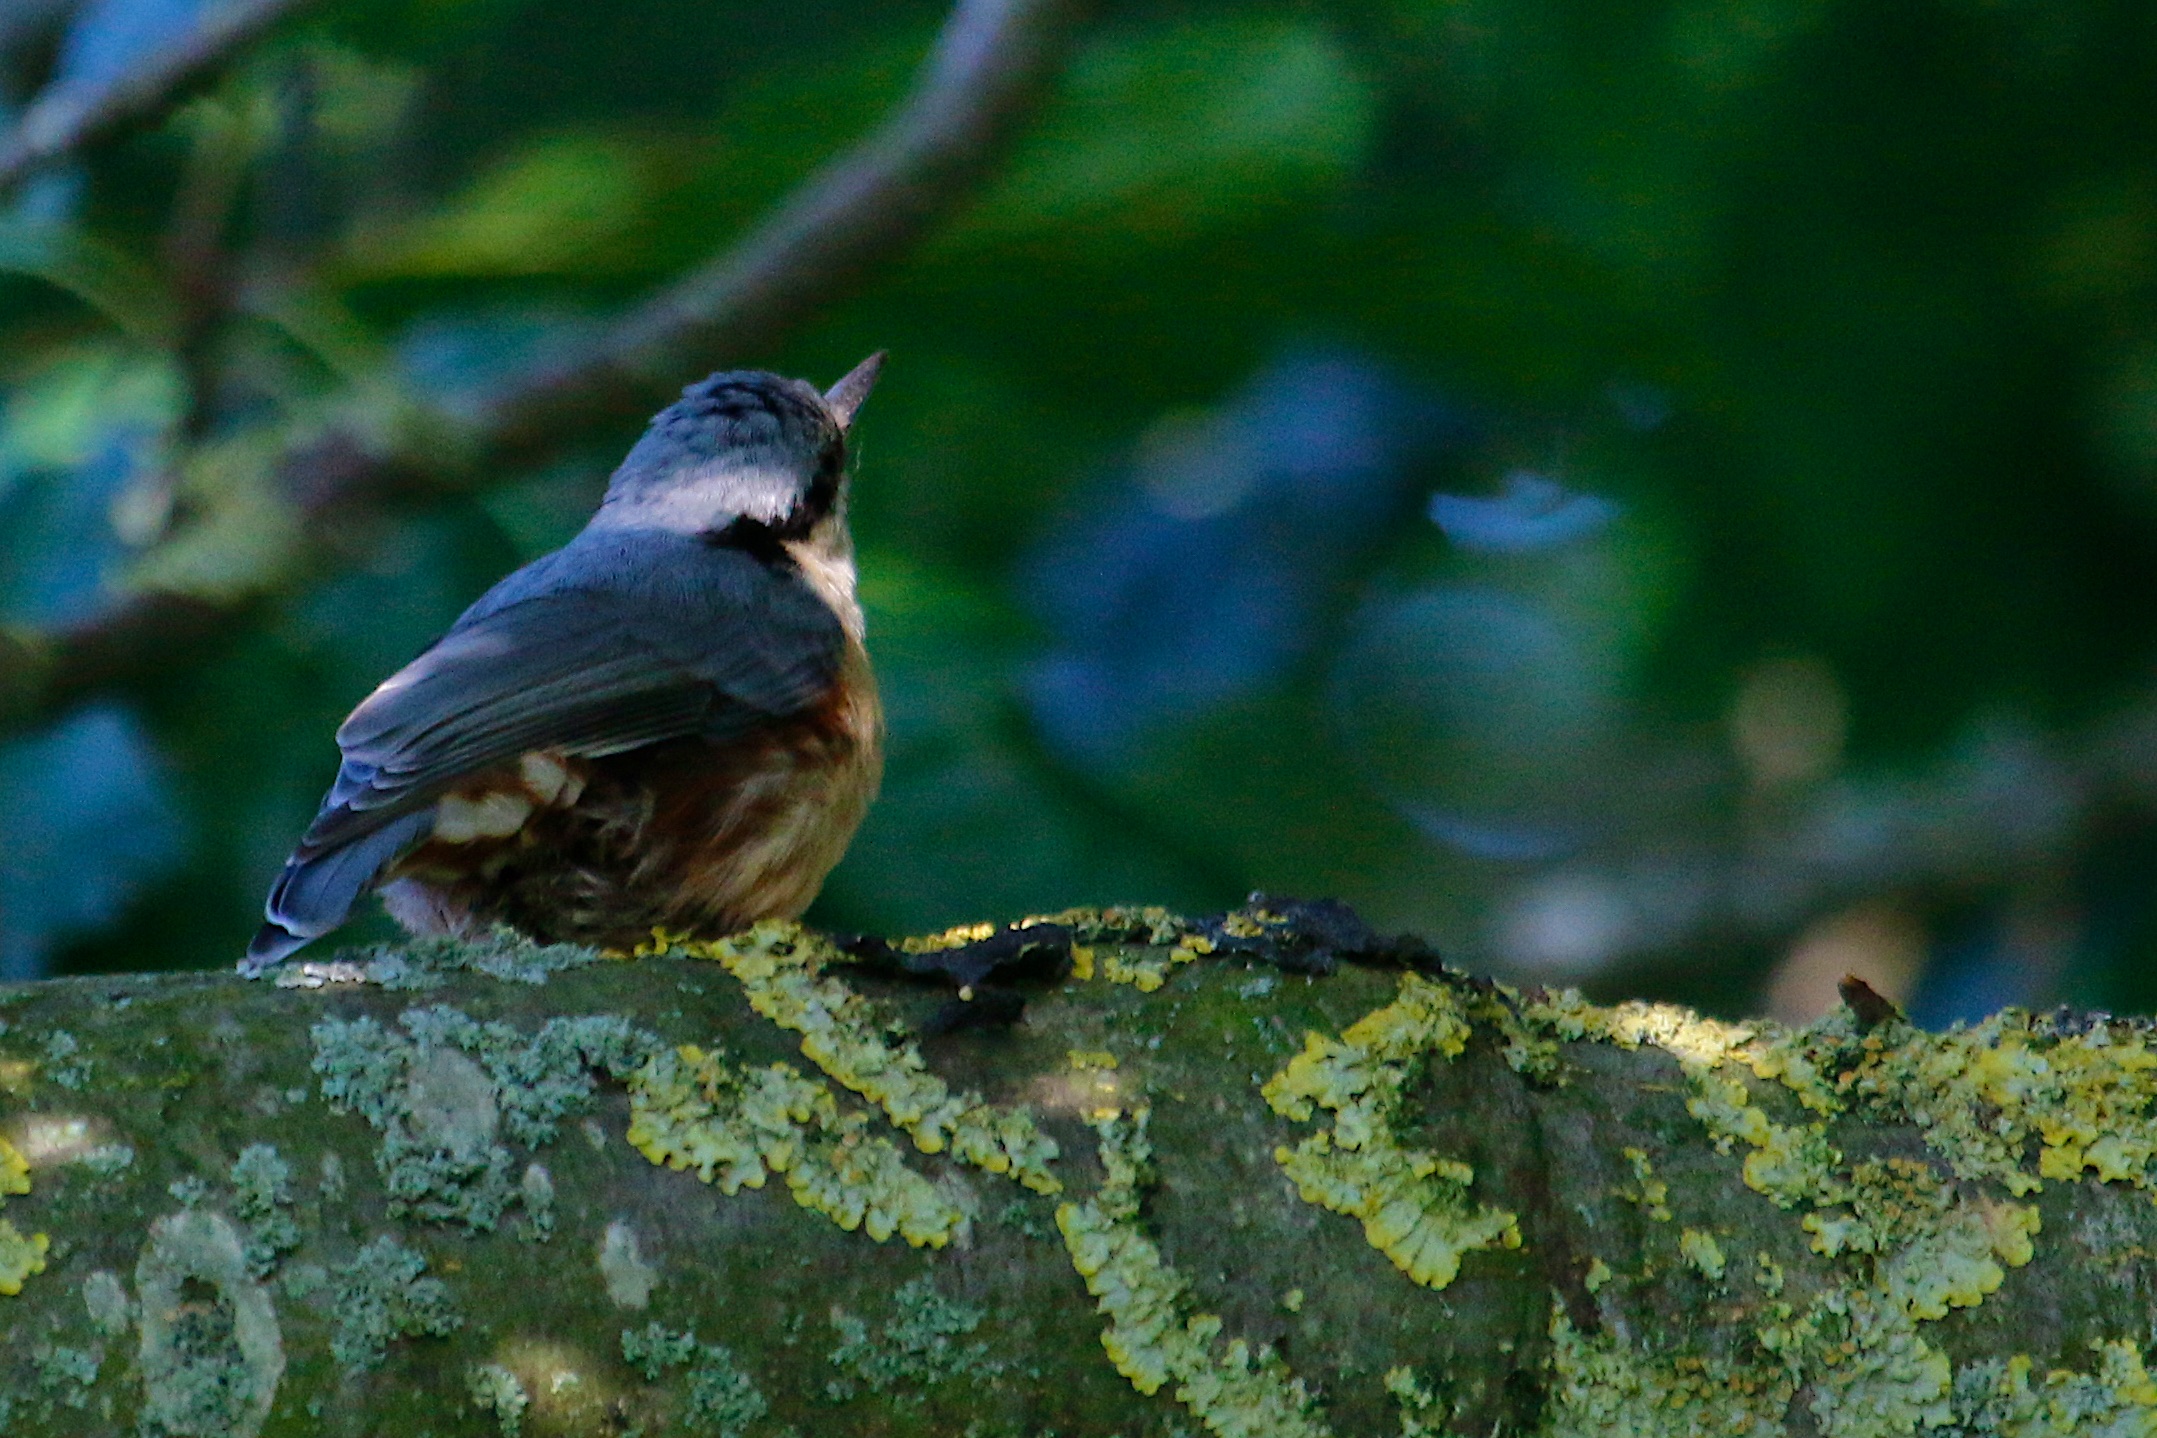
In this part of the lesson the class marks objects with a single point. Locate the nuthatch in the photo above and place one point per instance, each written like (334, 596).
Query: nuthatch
(668, 721)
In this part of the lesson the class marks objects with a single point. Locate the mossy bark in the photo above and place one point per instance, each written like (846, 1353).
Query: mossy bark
(404, 1201)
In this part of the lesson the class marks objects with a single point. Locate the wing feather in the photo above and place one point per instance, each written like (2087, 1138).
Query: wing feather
(591, 670)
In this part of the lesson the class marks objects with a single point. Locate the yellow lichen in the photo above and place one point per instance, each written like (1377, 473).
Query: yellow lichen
(952, 938)
(781, 970)
(1700, 1249)
(20, 1255)
(691, 1109)
(1980, 1093)
(1148, 971)
(1147, 924)
(1235, 1391)
(1693, 1039)
(1935, 1250)
(1771, 1277)
(1414, 1205)
(1918, 1246)
(1653, 1195)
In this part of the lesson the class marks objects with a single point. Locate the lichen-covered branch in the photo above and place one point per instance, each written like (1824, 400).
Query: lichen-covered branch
(1233, 1177)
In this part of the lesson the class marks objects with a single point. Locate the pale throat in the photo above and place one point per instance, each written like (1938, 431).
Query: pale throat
(826, 561)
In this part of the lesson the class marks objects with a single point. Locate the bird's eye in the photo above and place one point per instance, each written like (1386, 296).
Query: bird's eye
(823, 490)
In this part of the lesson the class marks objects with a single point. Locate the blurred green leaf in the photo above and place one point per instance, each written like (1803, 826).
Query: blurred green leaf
(1168, 130)
(101, 275)
(562, 204)
(67, 406)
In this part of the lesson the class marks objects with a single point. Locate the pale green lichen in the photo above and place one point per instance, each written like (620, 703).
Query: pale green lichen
(21, 1255)
(2119, 1400)
(1147, 924)
(62, 1061)
(383, 1294)
(1423, 1414)
(923, 1343)
(66, 1374)
(1600, 1388)
(1771, 1277)
(1173, 942)
(106, 1301)
(536, 1190)
(1870, 1373)
(733, 1123)
(1981, 1094)
(262, 1198)
(446, 1088)
(1414, 1206)
(494, 1389)
(108, 1160)
(781, 970)
(653, 1349)
(212, 1353)
(723, 1400)
(1150, 969)
(504, 954)
(1234, 1391)
(628, 1278)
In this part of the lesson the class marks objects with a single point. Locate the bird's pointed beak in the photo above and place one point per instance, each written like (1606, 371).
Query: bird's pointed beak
(844, 398)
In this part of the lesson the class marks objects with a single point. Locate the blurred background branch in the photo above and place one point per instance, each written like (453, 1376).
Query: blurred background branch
(864, 208)
(73, 113)
(867, 207)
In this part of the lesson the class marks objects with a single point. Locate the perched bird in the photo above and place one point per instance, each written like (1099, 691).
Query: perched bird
(668, 721)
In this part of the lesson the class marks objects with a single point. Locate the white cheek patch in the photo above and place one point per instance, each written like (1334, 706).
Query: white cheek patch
(548, 780)
(495, 815)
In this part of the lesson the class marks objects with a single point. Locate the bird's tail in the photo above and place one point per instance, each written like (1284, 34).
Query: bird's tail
(316, 892)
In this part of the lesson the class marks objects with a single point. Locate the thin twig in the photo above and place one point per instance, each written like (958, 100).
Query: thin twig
(863, 210)
(68, 116)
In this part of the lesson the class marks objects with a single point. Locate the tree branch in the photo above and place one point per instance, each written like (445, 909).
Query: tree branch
(1302, 1185)
(2008, 800)
(864, 209)
(867, 207)
(67, 117)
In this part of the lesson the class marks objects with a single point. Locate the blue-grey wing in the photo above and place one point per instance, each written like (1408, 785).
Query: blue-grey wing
(590, 671)
(587, 654)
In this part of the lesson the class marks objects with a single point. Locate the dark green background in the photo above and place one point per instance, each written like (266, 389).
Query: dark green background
(1847, 308)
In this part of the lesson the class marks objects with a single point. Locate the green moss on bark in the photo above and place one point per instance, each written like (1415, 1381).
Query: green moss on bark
(1372, 1201)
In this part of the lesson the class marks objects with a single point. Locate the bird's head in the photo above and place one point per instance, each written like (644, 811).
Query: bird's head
(746, 454)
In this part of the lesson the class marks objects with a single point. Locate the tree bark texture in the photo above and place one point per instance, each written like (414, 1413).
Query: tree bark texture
(1239, 1176)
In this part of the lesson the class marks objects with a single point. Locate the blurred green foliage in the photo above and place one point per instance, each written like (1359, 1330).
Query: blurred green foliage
(1845, 310)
